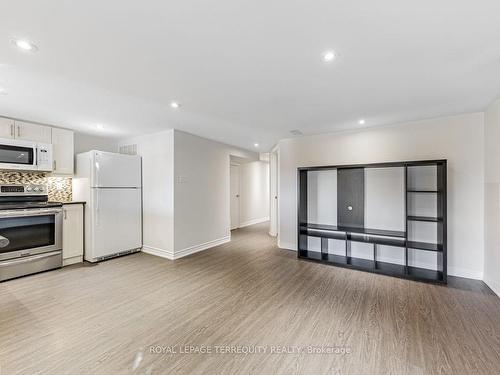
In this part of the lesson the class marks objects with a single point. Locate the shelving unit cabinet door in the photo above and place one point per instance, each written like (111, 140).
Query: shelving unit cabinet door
(302, 209)
(72, 231)
(351, 197)
(33, 132)
(63, 150)
(6, 128)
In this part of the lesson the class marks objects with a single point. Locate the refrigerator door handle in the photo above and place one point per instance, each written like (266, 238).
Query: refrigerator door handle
(97, 207)
(96, 165)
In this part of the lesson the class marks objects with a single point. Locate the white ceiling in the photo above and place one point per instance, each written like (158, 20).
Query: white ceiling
(246, 71)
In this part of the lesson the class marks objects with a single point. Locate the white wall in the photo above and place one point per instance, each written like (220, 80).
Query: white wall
(157, 151)
(458, 139)
(254, 193)
(201, 189)
(87, 142)
(385, 198)
(185, 191)
(492, 197)
(322, 197)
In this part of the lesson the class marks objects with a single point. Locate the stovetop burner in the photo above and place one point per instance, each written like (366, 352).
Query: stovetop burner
(18, 197)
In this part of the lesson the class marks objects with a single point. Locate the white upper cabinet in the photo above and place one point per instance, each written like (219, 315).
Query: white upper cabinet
(6, 128)
(33, 132)
(63, 150)
(62, 140)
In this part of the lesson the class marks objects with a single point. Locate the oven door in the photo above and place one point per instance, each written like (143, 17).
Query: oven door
(17, 155)
(29, 232)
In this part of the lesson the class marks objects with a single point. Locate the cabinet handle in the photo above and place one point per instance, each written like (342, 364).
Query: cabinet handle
(18, 130)
(54, 165)
(12, 130)
(65, 214)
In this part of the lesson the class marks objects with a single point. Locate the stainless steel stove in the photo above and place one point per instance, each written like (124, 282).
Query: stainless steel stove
(30, 231)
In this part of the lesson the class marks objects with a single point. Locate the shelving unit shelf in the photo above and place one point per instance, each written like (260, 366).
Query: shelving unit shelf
(350, 222)
(423, 191)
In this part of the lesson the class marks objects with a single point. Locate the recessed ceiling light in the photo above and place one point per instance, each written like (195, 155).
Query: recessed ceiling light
(99, 126)
(255, 145)
(25, 45)
(362, 121)
(3, 91)
(329, 56)
(174, 105)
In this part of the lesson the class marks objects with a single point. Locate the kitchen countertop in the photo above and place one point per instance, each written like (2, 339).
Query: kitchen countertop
(70, 202)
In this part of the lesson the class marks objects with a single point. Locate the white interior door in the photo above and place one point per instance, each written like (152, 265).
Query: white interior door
(235, 196)
(117, 221)
(273, 191)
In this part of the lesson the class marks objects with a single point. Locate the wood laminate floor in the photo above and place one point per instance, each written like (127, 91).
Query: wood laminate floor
(126, 316)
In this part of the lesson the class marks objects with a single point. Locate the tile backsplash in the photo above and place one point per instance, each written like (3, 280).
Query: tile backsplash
(59, 188)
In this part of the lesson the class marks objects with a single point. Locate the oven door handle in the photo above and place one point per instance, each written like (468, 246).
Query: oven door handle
(24, 213)
(5, 263)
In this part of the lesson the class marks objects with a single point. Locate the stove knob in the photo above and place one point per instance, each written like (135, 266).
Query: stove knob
(29, 188)
(41, 189)
(36, 189)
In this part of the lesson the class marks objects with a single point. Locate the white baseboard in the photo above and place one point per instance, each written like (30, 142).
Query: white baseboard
(172, 255)
(254, 221)
(204, 246)
(167, 254)
(494, 286)
(72, 260)
(465, 273)
(287, 246)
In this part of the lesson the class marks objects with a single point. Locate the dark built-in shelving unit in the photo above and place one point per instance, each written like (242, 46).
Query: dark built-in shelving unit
(350, 222)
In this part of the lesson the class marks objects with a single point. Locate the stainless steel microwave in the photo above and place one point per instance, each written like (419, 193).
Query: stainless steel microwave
(24, 155)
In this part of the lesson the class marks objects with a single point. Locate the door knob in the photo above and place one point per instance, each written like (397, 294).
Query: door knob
(237, 195)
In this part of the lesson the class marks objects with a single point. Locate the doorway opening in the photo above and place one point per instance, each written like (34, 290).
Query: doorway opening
(249, 191)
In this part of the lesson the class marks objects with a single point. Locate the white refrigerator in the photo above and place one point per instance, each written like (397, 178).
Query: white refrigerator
(110, 184)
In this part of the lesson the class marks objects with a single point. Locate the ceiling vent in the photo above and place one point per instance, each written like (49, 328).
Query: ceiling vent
(296, 132)
(128, 149)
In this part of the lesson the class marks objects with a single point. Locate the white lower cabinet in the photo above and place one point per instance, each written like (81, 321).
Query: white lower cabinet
(72, 233)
